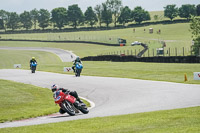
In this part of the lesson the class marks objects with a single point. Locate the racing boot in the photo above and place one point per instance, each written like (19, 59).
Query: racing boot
(81, 102)
(77, 105)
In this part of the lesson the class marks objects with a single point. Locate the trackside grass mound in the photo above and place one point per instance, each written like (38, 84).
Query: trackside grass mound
(21, 101)
(169, 121)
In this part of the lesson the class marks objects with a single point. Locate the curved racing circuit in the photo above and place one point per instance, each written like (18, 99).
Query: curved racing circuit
(112, 96)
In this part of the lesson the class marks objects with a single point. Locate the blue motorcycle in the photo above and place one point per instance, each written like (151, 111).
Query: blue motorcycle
(78, 69)
(33, 67)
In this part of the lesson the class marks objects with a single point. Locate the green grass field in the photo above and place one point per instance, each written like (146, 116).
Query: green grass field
(175, 35)
(169, 121)
(21, 101)
(181, 31)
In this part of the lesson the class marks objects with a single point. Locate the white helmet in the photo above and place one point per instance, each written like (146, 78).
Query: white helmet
(54, 87)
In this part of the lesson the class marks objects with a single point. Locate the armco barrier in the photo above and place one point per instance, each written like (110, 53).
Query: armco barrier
(160, 59)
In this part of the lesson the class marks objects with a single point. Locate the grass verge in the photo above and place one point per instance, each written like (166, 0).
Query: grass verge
(168, 121)
(21, 101)
(171, 72)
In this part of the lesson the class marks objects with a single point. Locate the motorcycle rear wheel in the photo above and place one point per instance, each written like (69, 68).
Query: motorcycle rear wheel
(78, 73)
(84, 110)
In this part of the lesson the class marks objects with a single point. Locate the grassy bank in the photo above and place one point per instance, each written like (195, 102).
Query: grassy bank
(21, 101)
(176, 121)
(175, 35)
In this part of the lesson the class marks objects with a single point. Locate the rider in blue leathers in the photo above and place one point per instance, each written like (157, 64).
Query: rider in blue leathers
(33, 60)
(75, 61)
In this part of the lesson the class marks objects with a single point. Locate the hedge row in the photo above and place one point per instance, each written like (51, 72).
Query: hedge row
(158, 59)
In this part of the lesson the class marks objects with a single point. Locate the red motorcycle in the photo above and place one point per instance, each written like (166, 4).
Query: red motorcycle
(69, 103)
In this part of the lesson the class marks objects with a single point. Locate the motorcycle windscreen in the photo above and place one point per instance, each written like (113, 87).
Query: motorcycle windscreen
(56, 94)
(70, 98)
(34, 64)
(79, 66)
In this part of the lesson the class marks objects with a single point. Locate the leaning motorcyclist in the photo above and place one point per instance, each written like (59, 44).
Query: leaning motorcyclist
(33, 60)
(55, 87)
(75, 61)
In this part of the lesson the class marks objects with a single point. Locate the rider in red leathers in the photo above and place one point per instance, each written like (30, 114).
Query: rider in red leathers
(55, 87)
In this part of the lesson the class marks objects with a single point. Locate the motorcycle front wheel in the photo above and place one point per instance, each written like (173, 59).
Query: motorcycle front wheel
(33, 69)
(68, 108)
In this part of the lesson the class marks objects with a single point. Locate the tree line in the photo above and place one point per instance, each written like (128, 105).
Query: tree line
(195, 29)
(111, 11)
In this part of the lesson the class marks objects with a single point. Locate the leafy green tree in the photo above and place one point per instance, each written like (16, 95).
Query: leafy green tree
(196, 47)
(198, 10)
(1, 20)
(195, 26)
(4, 19)
(195, 29)
(125, 15)
(59, 16)
(34, 16)
(106, 15)
(155, 17)
(139, 15)
(13, 20)
(1, 24)
(90, 17)
(25, 19)
(114, 6)
(98, 11)
(186, 11)
(75, 15)
(171, 11)
(43, 18)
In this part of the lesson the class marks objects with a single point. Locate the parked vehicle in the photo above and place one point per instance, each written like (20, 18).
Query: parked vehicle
(33, 67)
(69, 103)
(78, 69)
(135, 43)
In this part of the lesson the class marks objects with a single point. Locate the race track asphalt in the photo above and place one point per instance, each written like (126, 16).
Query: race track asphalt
(64, 55)
(112, 96)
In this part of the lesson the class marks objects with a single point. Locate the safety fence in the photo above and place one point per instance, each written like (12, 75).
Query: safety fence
(184, 51)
